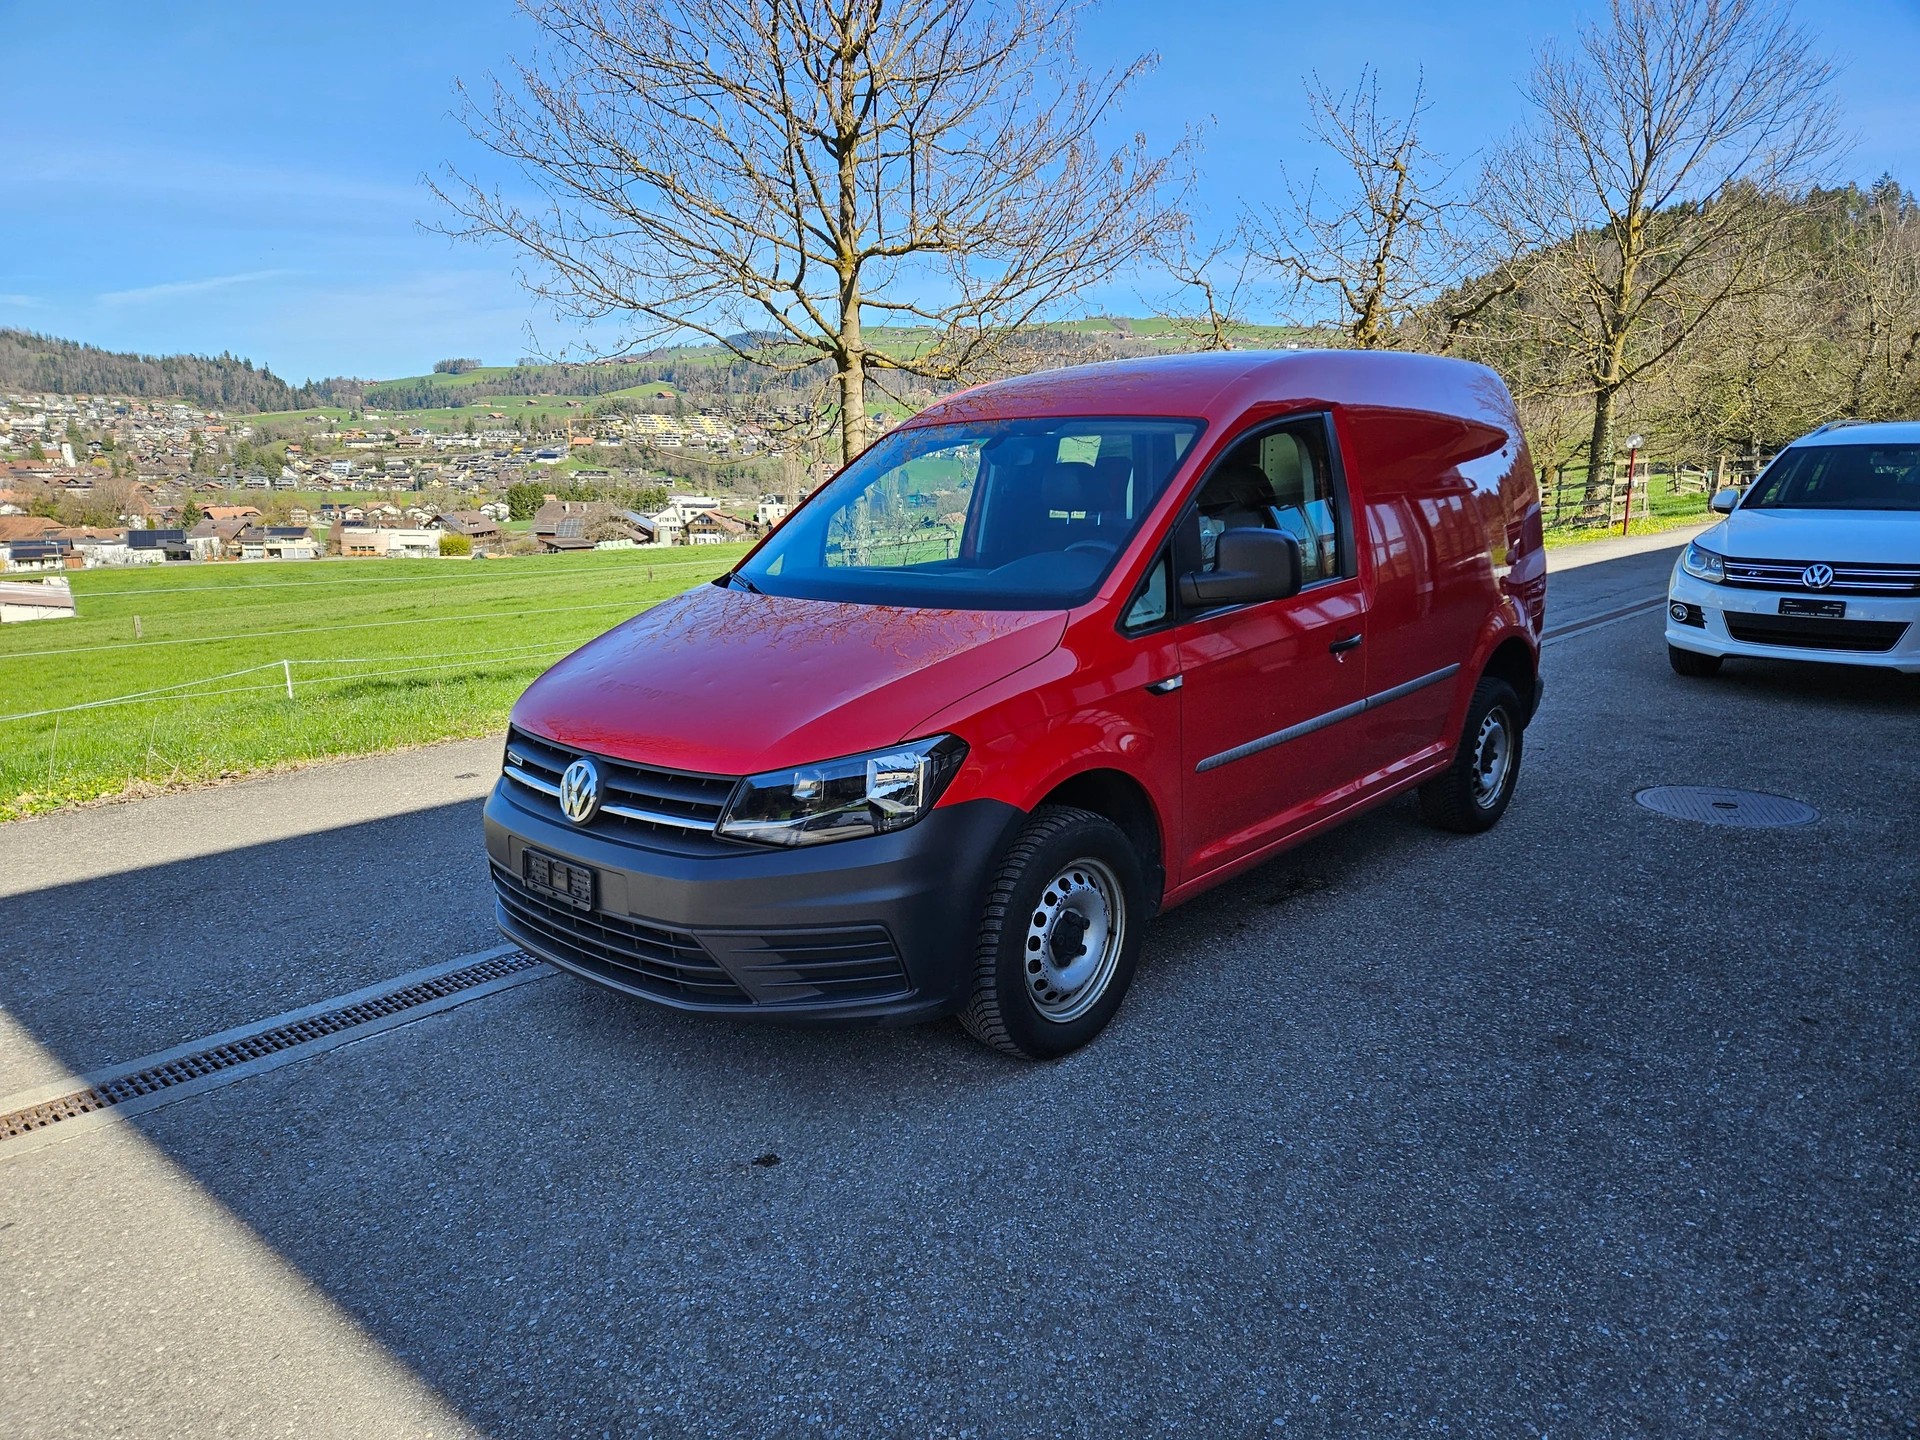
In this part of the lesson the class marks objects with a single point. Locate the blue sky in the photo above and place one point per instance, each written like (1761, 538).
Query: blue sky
(232, 175)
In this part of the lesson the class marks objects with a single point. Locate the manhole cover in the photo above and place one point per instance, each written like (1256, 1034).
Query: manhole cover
(1715, 805)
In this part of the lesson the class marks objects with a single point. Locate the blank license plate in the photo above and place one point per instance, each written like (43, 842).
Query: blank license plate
(572, 884)
(1825, 609)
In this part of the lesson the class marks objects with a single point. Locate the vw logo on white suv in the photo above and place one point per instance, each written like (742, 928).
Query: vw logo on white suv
(1817, 577)
(580, 791)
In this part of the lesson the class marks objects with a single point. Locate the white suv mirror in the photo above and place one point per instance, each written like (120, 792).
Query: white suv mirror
(1724, 500)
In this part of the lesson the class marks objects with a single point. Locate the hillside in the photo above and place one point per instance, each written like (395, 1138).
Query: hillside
(706, 375)
(43, 363)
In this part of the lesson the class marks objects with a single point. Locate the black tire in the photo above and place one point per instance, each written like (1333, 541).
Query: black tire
(1014, 977)
(1692, 663)
(1472, 793)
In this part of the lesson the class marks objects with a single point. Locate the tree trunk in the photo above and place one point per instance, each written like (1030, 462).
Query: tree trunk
(853, 403)
(1599, 453)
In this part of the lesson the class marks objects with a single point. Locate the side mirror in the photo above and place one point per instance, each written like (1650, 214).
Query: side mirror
(1724, 500)
(1250, 565)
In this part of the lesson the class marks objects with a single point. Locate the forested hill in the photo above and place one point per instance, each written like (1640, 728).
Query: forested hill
(30, 362)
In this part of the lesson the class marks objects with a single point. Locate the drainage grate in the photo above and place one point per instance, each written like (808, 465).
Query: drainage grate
(216, 1058)
(1716, 805)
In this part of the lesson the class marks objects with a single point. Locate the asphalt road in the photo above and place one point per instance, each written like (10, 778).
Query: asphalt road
(1601, 1124)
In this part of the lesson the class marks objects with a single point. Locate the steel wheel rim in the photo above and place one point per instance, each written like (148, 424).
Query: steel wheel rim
(1492, 759)
(1074, 937)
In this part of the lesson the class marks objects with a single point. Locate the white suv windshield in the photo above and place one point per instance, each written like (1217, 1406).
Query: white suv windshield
(1840, 477)
(992, 515)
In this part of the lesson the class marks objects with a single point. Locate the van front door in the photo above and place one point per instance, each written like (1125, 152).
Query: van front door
(1272, 693)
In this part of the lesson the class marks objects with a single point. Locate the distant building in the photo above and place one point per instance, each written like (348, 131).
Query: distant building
(364, 542)
(172, 544)
(561, 525)
(714, 527)
(42, 600)
(478, 526)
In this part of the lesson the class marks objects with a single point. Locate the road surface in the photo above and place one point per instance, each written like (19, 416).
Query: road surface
(1601, 1124)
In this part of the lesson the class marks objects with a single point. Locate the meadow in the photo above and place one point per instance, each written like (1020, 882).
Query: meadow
(178, 674)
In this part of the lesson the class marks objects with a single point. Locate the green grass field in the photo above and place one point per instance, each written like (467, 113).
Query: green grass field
(383, 654)
(1658, 505)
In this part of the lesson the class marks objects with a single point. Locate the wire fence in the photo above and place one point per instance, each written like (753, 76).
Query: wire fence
(289, 681)
(319, 665)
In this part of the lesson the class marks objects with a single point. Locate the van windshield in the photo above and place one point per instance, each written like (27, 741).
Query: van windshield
(986, 515)
(1840, 477)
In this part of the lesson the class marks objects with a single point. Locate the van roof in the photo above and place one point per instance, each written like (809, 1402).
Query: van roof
(1219, 384)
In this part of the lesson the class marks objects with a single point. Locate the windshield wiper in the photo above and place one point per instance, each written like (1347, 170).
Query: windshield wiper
(734, 577)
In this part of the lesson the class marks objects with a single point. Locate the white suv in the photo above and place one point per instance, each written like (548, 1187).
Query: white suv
(1819, 560)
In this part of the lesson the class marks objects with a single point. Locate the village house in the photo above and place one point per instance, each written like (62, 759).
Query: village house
(478, 526)
(561, 525)
(714, 527)
(29, 600)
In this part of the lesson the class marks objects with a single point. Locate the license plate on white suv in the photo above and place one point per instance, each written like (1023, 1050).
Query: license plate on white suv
(1822, 609)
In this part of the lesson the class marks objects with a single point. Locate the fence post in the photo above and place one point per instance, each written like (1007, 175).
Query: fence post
(287, 666)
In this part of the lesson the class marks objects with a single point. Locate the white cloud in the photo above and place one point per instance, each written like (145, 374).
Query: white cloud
(173, 288)
(19, 302)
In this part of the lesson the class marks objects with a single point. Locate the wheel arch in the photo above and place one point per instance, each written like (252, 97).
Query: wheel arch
(1121, 798)
(1514, 661)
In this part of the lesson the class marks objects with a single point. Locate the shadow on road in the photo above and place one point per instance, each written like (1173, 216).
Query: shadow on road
(1595, 1124)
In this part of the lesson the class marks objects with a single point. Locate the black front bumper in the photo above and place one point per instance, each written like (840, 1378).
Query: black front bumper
(876, 929)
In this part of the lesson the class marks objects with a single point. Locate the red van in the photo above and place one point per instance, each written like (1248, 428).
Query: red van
(1058, 653)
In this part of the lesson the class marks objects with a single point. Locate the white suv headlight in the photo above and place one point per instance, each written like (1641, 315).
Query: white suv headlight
(844, 799)
(1703, 564)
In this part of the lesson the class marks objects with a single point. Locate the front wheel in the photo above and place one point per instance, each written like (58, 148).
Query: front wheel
(1692, 663)
(1060, 937)
(1471, 794)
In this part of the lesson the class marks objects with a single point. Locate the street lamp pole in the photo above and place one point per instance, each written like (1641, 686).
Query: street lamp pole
(1634, 442)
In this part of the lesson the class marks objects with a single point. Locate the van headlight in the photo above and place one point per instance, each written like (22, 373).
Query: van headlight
(1703, 564)
(844, 799)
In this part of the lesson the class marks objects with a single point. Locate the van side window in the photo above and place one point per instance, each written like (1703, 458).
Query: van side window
(1279, 480)
(1150, 601)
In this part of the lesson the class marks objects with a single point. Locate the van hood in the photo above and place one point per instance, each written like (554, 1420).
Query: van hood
(1834, 536)
(727, 682)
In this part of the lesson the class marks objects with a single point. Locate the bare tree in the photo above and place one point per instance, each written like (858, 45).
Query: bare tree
(1760, 369)
(772, 175)
(1385, 240)
(1878, 283)
(1213, 287)
(1643, 188)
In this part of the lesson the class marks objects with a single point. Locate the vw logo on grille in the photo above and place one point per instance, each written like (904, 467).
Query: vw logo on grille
(580, 791)
(1817, 577)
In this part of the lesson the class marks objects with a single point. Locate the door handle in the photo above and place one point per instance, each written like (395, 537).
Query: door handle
(1340, 647)
(1168, 685)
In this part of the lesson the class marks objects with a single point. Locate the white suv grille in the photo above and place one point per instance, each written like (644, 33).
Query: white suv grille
(1848, 579)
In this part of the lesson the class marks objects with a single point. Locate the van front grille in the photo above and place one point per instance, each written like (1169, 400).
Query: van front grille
(797, 967)
(639, 800)
(629, 951)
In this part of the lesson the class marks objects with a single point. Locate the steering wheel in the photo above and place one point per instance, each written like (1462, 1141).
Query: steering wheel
(1092, 547)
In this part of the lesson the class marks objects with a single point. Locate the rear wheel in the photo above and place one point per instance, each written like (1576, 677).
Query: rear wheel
(1060, 938)
(1692, 663)
(1471, 794)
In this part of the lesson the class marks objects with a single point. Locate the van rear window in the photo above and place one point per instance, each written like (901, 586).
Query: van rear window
(992, 515)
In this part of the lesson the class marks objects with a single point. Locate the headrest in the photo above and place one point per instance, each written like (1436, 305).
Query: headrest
(1242, 483)
(1286, 467)
(1110, 476)
(1069, 486)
